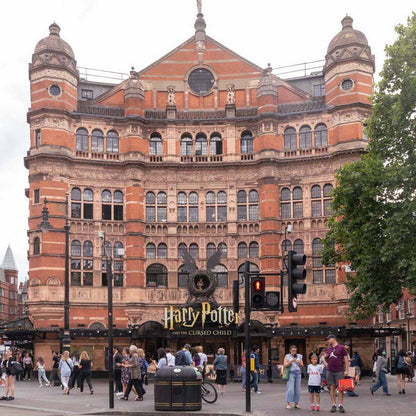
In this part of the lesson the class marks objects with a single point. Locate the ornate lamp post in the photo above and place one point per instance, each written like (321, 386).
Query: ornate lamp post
(45, 226)
(408, 316)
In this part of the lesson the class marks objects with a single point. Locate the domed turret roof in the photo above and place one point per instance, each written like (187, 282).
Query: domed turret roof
(54, 42)
(347, 36)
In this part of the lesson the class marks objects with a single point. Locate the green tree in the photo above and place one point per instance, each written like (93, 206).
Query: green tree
(373, 225)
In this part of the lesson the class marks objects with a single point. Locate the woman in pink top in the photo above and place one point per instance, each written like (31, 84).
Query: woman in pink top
(27, 366)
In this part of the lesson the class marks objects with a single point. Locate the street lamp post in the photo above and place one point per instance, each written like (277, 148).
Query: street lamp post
(45, 226)
(109, 271)
(408, 316)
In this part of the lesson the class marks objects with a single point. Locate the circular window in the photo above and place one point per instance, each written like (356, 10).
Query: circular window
(347, 84)
(55, 89)
(201, 80)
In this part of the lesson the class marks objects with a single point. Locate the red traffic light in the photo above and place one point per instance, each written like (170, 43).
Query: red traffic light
(258, 285)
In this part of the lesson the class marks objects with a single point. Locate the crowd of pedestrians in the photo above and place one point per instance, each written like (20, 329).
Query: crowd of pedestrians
(324, 370)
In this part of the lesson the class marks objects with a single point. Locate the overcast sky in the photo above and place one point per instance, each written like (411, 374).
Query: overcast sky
(115, 35)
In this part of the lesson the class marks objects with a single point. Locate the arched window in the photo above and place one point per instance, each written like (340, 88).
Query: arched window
(290, 139)
(75, 203)
(222, 275)
(97, 141)
(194, 250)
(88, 195)
(181, 249)
(222, 197)
(305, 137)
(246, 142)
(224, 249)
(253, 207)
(316, 202)
(150, 207)
(211, 249)
(327, 198)
(82, 140)
(106, 196)
(118, 197)
(242, 250)
(150, 251)
(87, 249)
(112, 142)
(297, 196)
(155, 144)
(285, 206)
(216, 208)
(321, 135)
(156, 276)
(286, 246)
(186, 145)
(118, 206)
(36, 245)
(182, 208)
(75, 248)
(252, 268)
(210, 207)
(162, 251)
(242, 205)
(298, 246)
(254, 249)
(193, 207)
(183, 276)
(162, 209)
(106, 249)
(215, 144)
(201, 144)
(118, 249)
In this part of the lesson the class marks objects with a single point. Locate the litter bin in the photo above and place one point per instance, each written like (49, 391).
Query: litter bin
(178, 388)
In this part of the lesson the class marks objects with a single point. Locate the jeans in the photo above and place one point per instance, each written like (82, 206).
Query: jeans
(243, 377)
(293, 387)
(381, 382)
(254, 381)
(42, 376)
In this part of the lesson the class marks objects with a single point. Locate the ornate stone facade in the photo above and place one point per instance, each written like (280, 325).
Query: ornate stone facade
(202, 148)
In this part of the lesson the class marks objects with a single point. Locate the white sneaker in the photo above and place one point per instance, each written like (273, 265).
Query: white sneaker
(119, 394)
(258, 392)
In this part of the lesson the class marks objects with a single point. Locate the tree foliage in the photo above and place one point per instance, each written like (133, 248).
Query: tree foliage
(373, 225)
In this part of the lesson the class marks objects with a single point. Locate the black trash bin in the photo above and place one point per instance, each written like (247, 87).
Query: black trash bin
(178, 388)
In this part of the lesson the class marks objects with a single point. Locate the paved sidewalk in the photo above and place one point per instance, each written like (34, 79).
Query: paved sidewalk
(34, 401)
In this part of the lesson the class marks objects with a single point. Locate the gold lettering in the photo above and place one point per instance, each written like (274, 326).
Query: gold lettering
(206, 310)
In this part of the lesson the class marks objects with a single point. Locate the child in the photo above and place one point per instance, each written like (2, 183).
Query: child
(40, 366)
(314, 383)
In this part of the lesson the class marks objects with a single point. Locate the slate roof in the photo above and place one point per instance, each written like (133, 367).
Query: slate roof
(303, 107)
(8, 260)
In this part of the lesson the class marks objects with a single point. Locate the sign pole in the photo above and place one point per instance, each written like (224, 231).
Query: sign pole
(247, 333)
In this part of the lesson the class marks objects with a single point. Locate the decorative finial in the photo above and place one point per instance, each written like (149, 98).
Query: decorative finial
(347, 22)
(54, 29)
(132, 68)
(199, 6)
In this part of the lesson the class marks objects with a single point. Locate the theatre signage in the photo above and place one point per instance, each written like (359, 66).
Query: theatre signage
(204, 318)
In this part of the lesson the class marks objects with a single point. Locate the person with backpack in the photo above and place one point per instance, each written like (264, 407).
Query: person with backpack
(402, 369)
(381, 371)
(183, 356)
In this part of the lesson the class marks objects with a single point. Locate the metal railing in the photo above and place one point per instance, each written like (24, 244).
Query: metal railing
(100, 75)
(301, 69)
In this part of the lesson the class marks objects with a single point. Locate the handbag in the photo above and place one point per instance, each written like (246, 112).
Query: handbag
(346, 384)
(351, 371)
(15, 368)
(152, 367)
(285, 372)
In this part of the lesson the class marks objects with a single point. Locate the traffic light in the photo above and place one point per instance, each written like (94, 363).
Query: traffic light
(258, 294)
(295, 273)
(236, 296)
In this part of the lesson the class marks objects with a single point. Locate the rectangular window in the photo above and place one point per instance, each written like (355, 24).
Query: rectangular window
(87, 264)
(87, 281)
(318, 276)
(318, 90)
(241, 212)
(118, 212)
(193, 214)
(88, 211)
(182, 217)
(150, 214)
(411, 307)
(183, 279)
(253, 212)
(36, 196)
(104, 264)
(222, 279)
(76, 278)
(317, 262)
(330, 276)
(222, 213)
(104, 279)
(76, 264)
(316, 209)
(106, 212)
(118, 280)
(37, 137)
(118, 265)
(327, 203)
(162, 214)
(285, 210)
(210, 214)
(297, 209)
(88, 94)
(75, 210)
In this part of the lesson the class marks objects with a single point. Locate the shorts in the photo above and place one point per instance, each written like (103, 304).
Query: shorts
(314, 389)
(332, 377)
(357, 371)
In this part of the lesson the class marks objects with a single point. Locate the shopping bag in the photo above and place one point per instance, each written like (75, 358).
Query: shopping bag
(351, 372)
(346, 384)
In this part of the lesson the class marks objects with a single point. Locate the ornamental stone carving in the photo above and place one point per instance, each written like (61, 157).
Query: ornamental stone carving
(230, 94)
(171, 96)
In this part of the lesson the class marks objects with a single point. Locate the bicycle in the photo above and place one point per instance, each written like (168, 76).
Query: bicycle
(208, 392)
